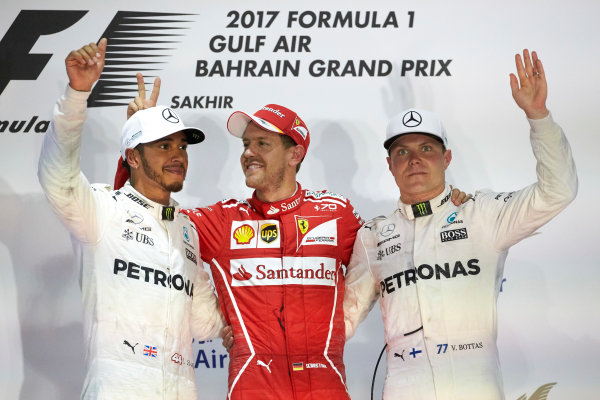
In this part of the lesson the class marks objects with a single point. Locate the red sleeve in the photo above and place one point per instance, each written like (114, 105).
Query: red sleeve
(211, 223)
(351, 224)
(121, 175)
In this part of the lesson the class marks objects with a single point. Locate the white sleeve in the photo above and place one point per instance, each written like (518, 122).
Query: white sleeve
(207, 320)
(59, 173)
(518, 214)
(362, 291)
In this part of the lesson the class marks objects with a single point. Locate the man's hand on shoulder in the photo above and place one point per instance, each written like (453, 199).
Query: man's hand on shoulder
(85, 65)
(459, 197)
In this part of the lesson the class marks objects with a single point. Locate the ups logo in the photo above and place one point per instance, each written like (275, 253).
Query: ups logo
(269, 233)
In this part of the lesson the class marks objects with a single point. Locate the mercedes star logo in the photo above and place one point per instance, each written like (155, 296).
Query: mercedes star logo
(170, 116)
(412, 119)
(387, 230)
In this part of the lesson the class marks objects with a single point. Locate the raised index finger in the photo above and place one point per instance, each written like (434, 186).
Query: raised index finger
(141, 86)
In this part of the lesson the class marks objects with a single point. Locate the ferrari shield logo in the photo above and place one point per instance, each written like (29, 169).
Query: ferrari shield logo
(303, 225)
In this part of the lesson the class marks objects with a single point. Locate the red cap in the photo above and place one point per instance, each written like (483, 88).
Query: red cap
(274, 118)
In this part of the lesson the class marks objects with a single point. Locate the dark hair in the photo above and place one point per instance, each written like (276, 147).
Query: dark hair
(125, 165)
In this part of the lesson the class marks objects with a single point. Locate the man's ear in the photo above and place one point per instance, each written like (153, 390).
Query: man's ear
(389, 161)
(447, 158)
(133, 158)
(298, 154)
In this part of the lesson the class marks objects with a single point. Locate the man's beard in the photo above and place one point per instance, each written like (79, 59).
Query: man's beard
(259, 183)
(152, 174)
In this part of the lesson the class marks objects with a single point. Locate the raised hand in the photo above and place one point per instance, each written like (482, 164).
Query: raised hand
(531, 90)
(85, 65)
(141, 102)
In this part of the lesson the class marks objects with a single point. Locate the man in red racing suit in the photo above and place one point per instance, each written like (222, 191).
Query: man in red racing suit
(278, 272)
(277, 263)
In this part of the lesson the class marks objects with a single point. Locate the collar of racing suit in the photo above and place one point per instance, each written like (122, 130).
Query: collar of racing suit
(432, 206)
(279, 207)
(155, 209)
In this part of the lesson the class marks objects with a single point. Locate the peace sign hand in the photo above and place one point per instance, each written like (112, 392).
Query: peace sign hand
(141, 102)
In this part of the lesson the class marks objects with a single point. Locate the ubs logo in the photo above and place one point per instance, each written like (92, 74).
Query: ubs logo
(143, 238)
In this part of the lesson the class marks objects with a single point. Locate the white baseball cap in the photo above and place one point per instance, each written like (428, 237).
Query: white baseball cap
(152, 124)
(415, 120)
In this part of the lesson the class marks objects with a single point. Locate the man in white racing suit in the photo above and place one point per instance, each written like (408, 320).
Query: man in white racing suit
(144, 289)
(436, 268)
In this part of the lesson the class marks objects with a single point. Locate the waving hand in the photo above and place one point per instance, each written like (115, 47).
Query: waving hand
(530, 90)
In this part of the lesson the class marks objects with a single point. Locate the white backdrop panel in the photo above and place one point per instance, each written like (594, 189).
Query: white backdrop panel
(548, 310)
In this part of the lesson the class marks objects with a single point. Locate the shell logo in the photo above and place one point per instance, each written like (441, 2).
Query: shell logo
(243, 234)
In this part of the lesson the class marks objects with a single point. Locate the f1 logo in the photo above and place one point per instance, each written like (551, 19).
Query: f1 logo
(17, 63)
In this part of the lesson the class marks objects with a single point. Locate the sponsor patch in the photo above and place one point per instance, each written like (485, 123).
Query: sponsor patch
(443, 270)
(303, 225)
(388, 239)
(127, 234)
(269, 233)
(243, 234)
(388, 251)
(246, 234)
(168, 213)
(421, 209)
(191, 256)
(317, 234)
(387, 230)
(454, 234)
(318, 195)
(273, 210)
(445, 199)
(134, 217)
(319, 271)
(452, 220)
(131, 346)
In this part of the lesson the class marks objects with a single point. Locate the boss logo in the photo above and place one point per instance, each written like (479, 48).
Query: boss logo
(455, 234)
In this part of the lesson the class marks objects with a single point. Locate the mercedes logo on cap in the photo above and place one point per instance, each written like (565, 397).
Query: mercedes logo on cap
(412, 119)
(170, 116)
